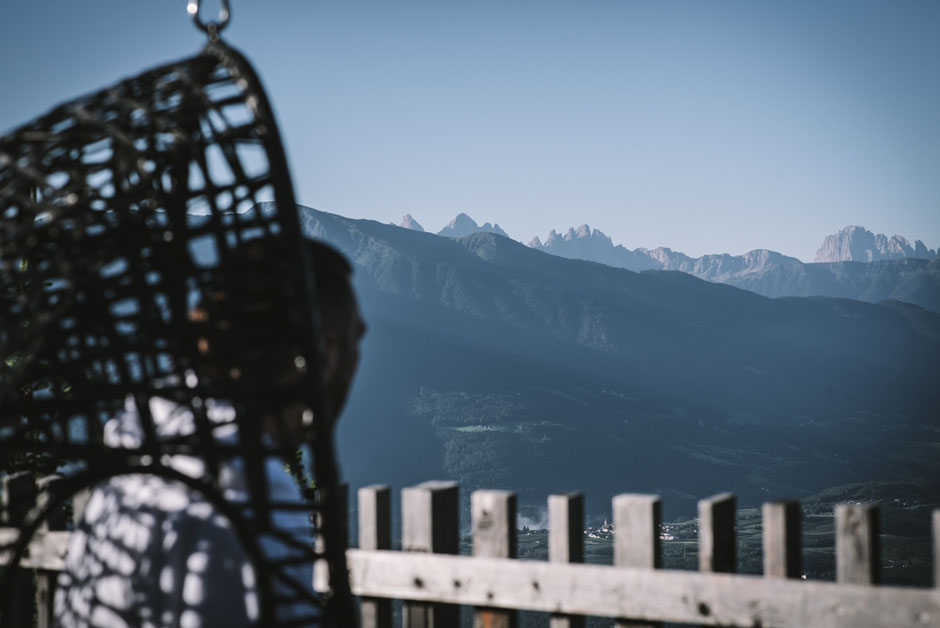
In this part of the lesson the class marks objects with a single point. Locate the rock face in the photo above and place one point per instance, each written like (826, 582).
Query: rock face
(857, 244)
(593, 245)
(464, 225)
(720, 267)
(407, 222)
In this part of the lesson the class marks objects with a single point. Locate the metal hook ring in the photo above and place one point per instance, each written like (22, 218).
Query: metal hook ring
(212, 29)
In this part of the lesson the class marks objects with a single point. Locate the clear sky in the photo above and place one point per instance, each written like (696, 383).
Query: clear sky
(703, 126)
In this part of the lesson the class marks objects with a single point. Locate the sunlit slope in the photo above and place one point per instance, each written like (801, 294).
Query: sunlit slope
(501, 366)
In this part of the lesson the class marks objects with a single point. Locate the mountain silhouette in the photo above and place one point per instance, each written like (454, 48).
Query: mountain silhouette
(899, 272)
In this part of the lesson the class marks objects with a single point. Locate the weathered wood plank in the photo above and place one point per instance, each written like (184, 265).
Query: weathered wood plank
(45, 594)
(566, 528)
(716, 520)
(636, 531)
(650, 595)
(321, 568)
(375, 516)
(19, 498)
(636, 537)
(493, 515)
(375, 533)
(46, 553)
(936, 548)
(342, 495)
(659, 595)
(566, 542)
(429, 517)
(858, 546)
(782, 546)
(46, 549)
(430, 523)
(48, 488)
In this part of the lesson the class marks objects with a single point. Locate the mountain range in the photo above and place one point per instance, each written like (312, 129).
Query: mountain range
(909, 273)
(462, 225)
(501, 366)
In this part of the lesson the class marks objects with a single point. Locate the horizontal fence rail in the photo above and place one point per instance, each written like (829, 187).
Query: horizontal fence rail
(434, 581)
(629, 592)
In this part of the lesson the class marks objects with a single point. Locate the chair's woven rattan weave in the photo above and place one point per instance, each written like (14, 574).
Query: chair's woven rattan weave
(117, 212)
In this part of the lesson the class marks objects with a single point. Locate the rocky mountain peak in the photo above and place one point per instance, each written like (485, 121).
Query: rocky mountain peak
(407, 222)
(857, 244)
(464, 225)
(583, 231)
(494, 228)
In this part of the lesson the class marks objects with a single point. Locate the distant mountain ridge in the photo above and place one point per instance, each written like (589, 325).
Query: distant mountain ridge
(593, 245)
(908, 279)
(857, 244)
(899, 271)
(858, 264)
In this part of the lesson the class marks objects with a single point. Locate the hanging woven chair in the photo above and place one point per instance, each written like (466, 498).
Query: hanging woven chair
(120, 212)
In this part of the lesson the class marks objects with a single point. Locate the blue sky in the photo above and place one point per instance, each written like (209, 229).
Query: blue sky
(703, 126)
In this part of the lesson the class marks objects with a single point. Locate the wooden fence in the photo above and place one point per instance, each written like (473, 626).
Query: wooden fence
(432, 579)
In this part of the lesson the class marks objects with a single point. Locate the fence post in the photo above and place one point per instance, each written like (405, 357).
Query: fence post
(936, 548)
(375, 533)
(321, 567)
(566, 542)
(48, 488)
(493, 514)
(430, 523)
(782, 546)
(636, 537)
(19, 497)
(716, 519)
(858, 547)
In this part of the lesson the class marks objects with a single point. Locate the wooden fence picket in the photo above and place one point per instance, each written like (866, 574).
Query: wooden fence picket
(321, 568)
(936, 548)
(375, 533)
(858, 547)
(432, 580)
(430, 523)
(782, 546)
(716, 519)
(637, 543)
(566, 541)
(493, 515)
(48, 488)
(19, 497)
